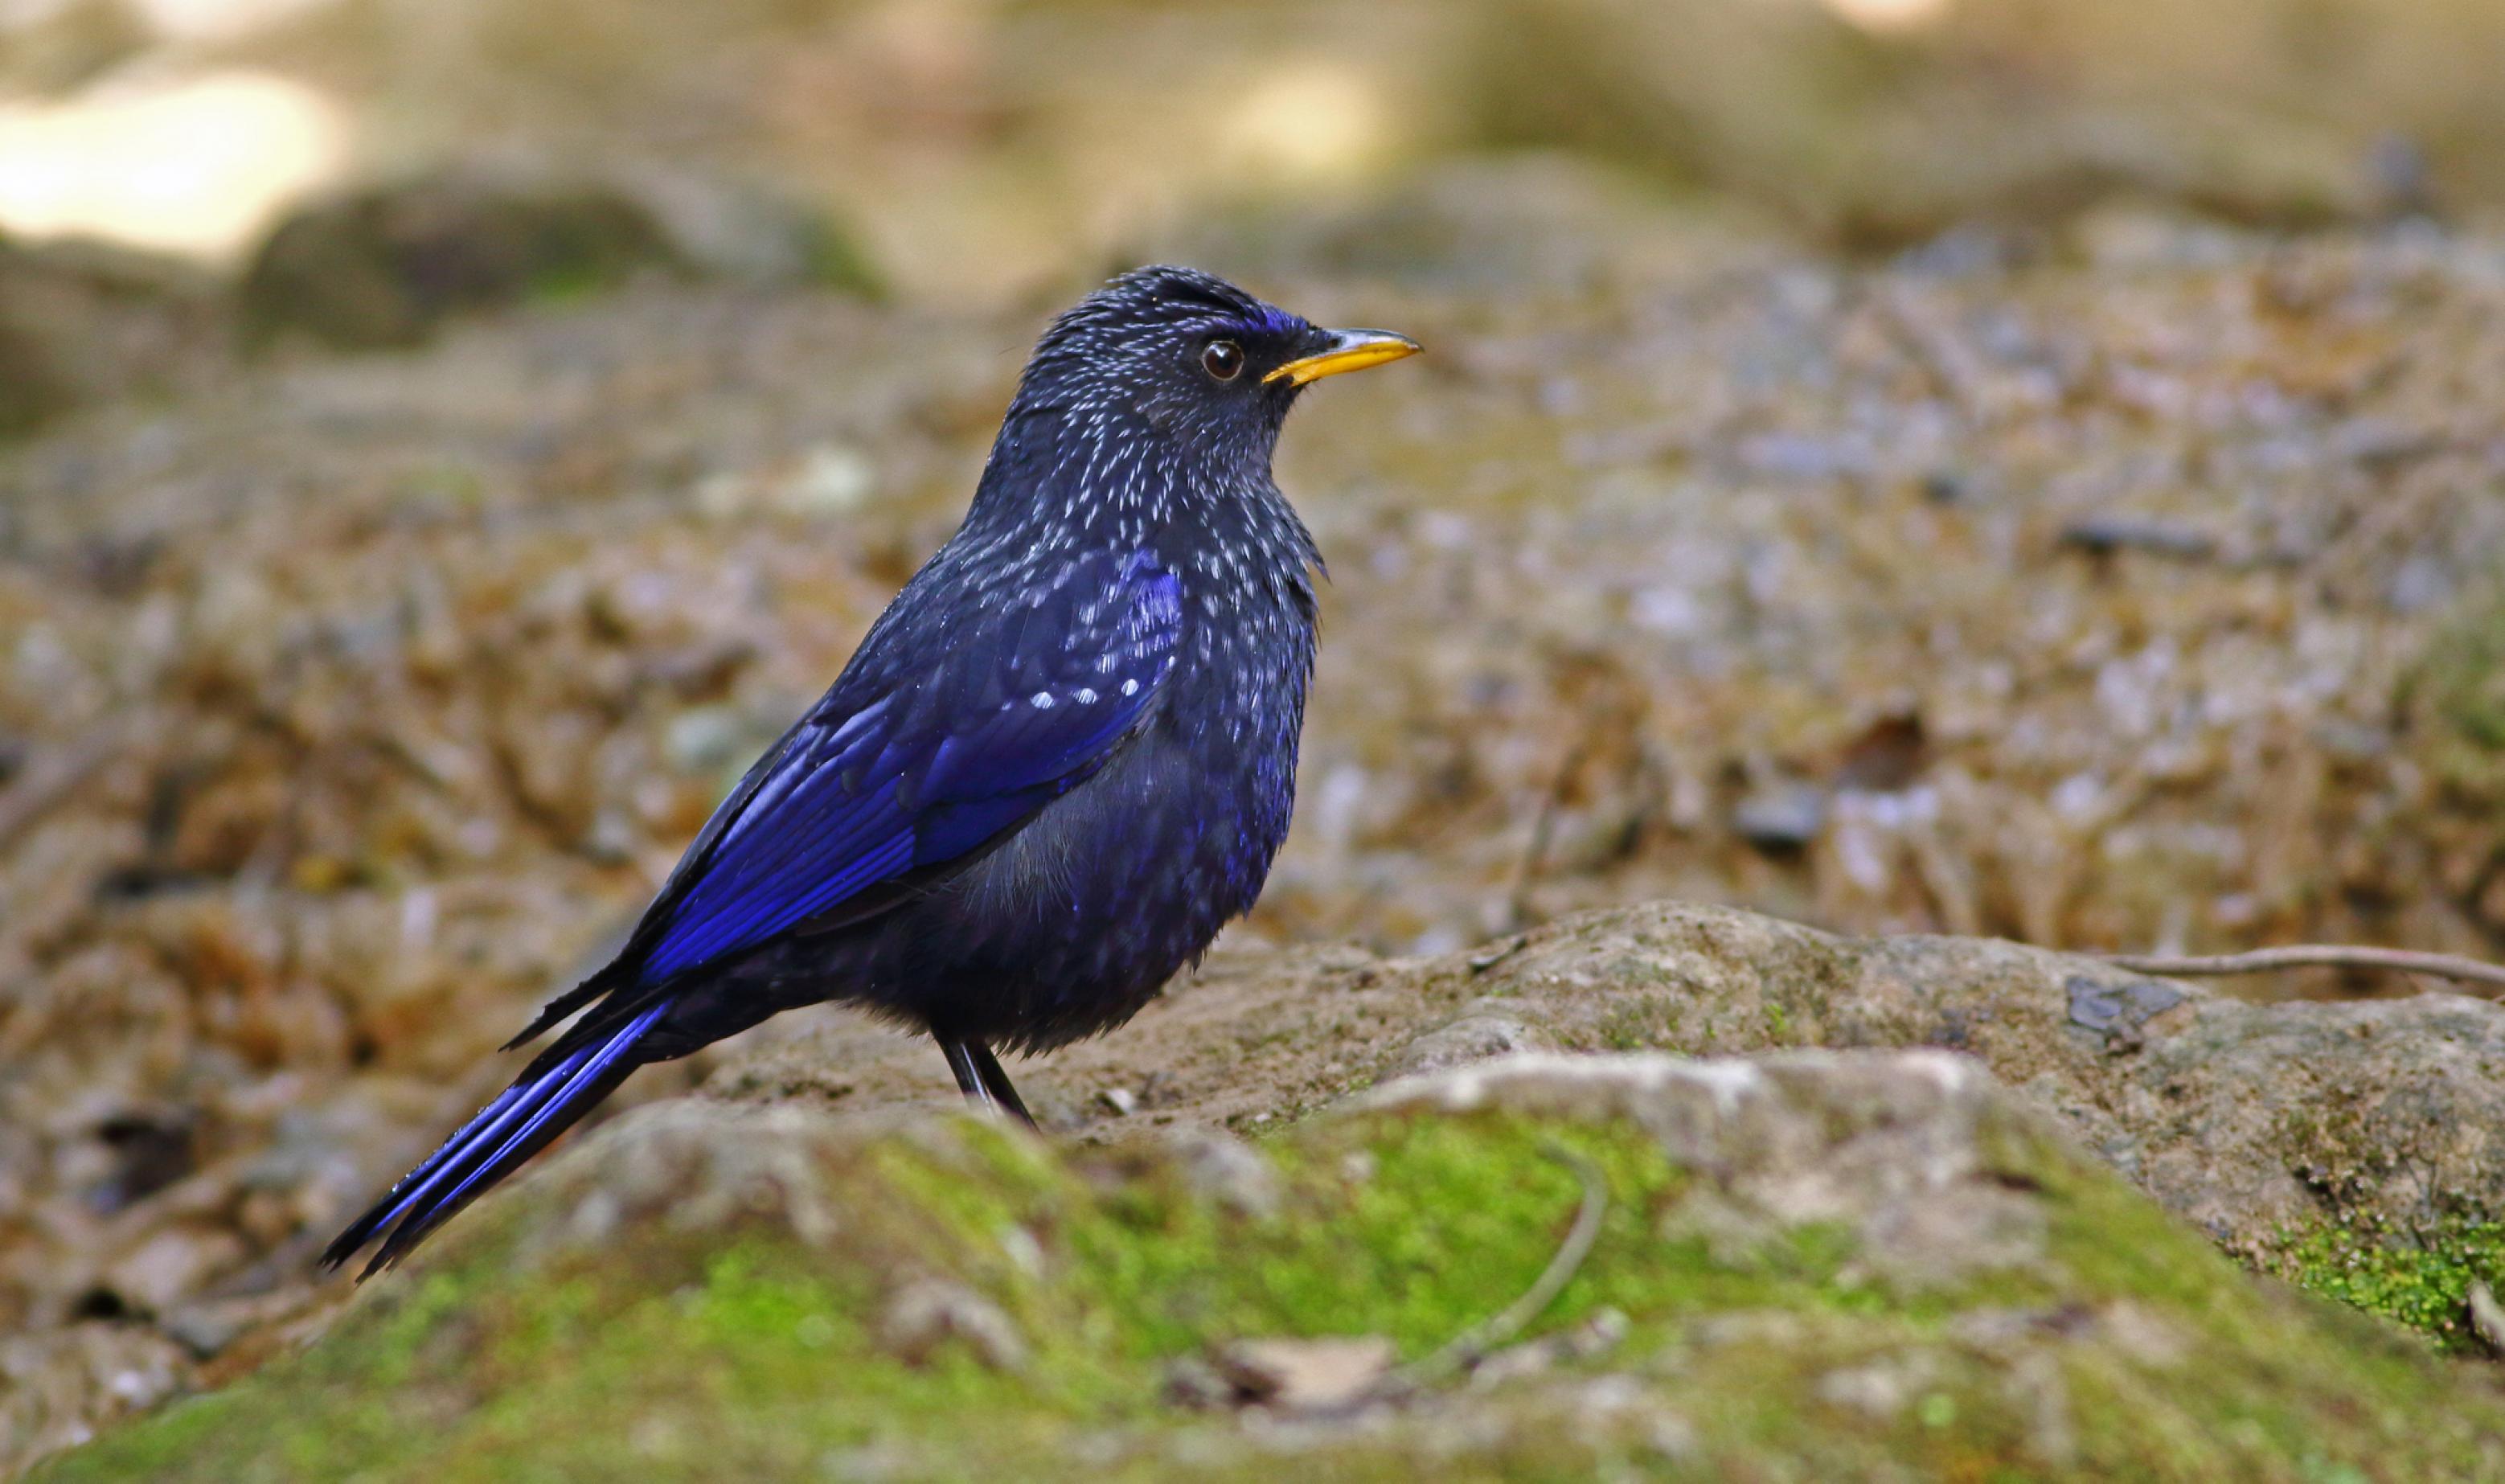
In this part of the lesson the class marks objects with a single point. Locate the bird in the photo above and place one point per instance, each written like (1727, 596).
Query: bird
(1058, 762)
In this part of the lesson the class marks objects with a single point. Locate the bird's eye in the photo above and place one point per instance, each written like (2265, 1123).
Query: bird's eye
(1223, 360)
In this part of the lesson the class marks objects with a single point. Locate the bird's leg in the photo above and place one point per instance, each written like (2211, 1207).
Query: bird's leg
(980, 1079)
(996, 1081)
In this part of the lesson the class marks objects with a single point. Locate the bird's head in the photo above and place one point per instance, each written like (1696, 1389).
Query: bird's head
(1169, 374)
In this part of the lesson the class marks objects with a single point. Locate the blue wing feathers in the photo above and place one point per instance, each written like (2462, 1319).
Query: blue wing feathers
(901, 768)
(916, 775)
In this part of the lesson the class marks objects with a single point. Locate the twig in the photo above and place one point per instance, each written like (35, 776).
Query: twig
(2442, 965)
(1469, 1347)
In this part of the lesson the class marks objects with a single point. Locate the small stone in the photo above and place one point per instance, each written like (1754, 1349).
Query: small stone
(706, 738)
(2119, 1010)
(1600, 1333)
(1879, 1391)
(2421, 584)
(1514, 1363)
(1493, 954)
(1785, 817)
(929, 1311)
(1295, 1375)
(1121, 1102)
(1228, 1171)
(1490, 1028)
(1946, 486)
(2104, 535)
(151, 1148)
(1596, 1336)
(172, 1264)
(833, 480)
(1191, 1381)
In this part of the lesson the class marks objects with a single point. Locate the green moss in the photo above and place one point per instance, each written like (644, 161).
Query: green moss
(746, 1351)
(1415, 1230)
(2420, 1280)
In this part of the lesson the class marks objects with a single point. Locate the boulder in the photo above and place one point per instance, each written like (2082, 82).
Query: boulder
(1808, 1265)
(384, 265)
(2349, 1146)
(2311, 1140)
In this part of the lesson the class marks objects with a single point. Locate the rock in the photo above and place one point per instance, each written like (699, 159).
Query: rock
(1513, 224)
(1227, 1172)
(171, 1263)
(1491, 1027)
(1295, 1375)
(709, 739)
(59, 1387)
(1897, 1153)
(2306, 1138)
(1781, 816)
(1884, 143)
(2257, 1122)
(748, 233)
(927, 1312)
(83, 323)
(1589, 1340)
(152, 1147)
(1817, 1264)
(384, 265)
(2105, 535)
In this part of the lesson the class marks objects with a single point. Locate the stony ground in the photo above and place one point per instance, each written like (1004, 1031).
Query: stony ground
(2125, 585)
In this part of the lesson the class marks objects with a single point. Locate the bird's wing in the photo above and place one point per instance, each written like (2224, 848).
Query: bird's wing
(1022, 704)
(947, 733)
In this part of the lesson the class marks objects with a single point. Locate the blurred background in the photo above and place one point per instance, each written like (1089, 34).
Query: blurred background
(2022, 467)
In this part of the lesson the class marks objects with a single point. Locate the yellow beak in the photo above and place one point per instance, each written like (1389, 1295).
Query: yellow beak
(1351, 350)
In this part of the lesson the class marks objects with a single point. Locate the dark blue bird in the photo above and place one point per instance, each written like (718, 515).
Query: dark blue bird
(1059, 761)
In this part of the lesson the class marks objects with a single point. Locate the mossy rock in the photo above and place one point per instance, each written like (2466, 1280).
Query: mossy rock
(1814, 1265)
(383, 267)
(2259, 1124)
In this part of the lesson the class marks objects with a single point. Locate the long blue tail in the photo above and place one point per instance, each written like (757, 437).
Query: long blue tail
(558, 1088)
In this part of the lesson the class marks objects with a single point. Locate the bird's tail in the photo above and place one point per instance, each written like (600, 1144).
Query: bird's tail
(561, 1085)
